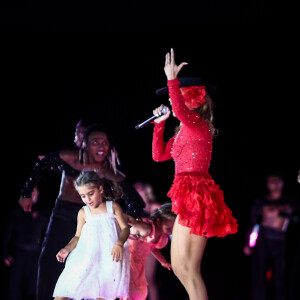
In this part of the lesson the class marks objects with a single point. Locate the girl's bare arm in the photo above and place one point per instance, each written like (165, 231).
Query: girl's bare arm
(122, 222)
(64, 252)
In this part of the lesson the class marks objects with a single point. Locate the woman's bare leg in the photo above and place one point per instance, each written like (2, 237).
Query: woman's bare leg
(186, 255)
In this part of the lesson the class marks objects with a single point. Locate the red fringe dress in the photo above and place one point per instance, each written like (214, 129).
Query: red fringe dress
(196, 198)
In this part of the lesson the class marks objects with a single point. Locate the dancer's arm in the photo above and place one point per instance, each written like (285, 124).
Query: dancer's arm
(161, 151)
(130, 219)
(117, 251)
(157, 254)
(188, 117)
(51, 162)
(185, 115)
(122, 223)
(139, 228)
(64, 252)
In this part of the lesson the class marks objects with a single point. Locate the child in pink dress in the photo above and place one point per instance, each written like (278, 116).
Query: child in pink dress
(148, 235)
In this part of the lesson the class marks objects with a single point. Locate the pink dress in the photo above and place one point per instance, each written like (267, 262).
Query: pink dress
(139, 250)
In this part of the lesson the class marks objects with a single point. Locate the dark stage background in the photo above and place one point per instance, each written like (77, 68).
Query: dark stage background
(50, 80)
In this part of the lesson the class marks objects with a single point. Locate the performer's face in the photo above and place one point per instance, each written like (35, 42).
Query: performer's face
(98, 146)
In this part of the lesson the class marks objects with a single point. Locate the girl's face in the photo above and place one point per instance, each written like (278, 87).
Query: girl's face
(91, 195)
(165, 226)
(98, 146)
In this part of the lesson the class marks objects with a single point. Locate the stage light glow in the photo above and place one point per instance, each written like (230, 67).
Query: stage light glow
(253, 236)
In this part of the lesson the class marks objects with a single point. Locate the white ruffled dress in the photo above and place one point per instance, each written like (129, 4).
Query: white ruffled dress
(90, 272)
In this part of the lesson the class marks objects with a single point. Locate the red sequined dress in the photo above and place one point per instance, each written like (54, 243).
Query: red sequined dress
(196, 198)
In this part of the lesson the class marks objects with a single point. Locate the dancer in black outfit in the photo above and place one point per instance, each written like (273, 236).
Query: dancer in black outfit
(97, 154)
(22, 241)
(271, 213)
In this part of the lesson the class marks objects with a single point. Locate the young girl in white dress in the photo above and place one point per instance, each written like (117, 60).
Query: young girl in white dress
(98, 263)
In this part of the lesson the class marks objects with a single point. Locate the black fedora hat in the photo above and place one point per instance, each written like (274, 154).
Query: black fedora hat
(189, 81)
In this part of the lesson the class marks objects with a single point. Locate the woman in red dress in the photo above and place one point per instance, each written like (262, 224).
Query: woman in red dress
(196, 199)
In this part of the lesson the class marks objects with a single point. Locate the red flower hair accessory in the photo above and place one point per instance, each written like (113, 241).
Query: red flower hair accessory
(194, 96)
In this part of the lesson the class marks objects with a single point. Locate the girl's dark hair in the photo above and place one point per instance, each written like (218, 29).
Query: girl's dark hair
(111, 190)
(163, 213)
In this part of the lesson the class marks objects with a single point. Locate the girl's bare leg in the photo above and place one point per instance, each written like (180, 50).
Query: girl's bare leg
(150, 272)
(186, 255)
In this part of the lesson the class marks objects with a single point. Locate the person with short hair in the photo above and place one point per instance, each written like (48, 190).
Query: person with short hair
(97, 153)
(270, 215)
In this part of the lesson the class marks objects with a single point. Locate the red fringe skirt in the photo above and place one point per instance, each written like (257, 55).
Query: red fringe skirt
(199, 202)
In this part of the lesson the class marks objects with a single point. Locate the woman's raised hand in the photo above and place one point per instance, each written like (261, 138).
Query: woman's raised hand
(171, 69)
(157, 112)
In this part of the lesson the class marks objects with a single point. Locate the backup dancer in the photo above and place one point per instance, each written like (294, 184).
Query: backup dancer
(97, 153)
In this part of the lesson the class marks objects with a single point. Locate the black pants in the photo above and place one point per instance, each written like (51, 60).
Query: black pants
(269, 253)
(61, 228)
(294, 285)
(22, 275)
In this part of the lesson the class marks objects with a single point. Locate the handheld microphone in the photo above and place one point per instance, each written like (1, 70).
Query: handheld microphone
(163, 112)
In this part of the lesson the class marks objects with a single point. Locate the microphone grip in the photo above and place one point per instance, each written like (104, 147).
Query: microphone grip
(145, 122)
(163, 112)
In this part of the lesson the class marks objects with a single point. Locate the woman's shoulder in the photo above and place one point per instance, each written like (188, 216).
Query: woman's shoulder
(69, 155)
(116, 176)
